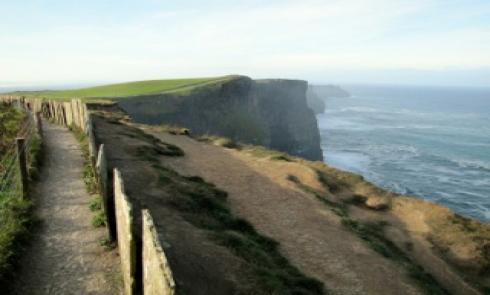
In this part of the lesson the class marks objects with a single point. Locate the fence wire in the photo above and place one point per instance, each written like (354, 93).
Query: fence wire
(10, 178)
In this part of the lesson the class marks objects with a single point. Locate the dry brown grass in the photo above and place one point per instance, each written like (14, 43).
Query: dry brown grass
(219, 141)
(464, 243)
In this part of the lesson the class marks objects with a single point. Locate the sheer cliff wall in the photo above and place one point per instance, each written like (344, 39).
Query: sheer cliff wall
(272, 113)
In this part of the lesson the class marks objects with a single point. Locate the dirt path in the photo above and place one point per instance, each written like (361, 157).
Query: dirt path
(310, 235)
(65, 256)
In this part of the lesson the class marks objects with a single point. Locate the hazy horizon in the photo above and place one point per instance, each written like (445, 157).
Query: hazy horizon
(6, 86)
(424, 42)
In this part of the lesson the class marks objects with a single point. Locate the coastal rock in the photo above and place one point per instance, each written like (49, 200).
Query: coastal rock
(329, 91)
(377, 203)
(317, 94)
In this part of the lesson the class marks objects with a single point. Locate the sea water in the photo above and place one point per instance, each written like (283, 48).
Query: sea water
(431, 142)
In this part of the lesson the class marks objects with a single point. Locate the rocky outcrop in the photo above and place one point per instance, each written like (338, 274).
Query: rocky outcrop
(272, 113)
(315, 103)
(317, 94)
(330, 91)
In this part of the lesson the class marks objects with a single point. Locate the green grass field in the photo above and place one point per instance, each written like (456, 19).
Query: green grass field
(125, 89)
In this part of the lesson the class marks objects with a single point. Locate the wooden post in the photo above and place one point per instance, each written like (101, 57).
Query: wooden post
(107, 192)
(22, 162)
(39, 124)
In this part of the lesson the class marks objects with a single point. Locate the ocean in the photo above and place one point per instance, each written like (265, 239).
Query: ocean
(431, 142)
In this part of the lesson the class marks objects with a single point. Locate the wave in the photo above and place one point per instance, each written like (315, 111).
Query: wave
(471, 195)
(346, 124)
(485, 182)
(387, 150)
(472, 164)
(349, 160)
(360, 109)
(486, 214)
(406, 112)
(453, 166)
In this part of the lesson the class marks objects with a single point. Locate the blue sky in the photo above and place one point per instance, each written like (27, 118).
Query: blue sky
(371, 41)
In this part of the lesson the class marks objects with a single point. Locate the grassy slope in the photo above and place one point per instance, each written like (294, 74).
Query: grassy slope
(10, 123)
(15, 217)
(125, 89)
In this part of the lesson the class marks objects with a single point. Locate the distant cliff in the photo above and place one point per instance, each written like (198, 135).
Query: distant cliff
(315, 103)
(272, 113)
(317, 94)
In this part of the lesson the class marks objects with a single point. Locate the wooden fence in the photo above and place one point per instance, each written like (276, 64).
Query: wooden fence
(155, 276)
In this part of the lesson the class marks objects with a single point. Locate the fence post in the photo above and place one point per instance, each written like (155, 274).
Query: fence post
(22, 162)
(105, 188)
(39, 124)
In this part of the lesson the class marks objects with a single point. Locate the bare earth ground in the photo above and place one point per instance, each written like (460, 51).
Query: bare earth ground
(65, 256)
(311, 236)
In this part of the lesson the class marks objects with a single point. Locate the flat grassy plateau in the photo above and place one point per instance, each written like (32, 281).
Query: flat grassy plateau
(123, 89)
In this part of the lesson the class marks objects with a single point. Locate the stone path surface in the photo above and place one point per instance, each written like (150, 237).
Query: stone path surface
(65, 256)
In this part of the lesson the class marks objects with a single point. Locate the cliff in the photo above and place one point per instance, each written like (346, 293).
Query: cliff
(317, 94)
(315, 103)
(272, 113)
(330, 91)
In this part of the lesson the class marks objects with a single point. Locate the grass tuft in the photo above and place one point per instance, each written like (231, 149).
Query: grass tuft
(357, 200)
(340, 209)
(108, 244)
(220, 141)
(99, 219)
(156, 147)
(96, 204)
(263, 152)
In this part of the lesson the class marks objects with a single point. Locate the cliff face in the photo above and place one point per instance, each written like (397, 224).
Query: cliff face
(317, 94)
(315, 103)
(330, 91)
(272, 113)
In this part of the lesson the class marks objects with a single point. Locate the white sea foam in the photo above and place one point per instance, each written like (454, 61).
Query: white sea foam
(471, 164)
(432, 147)
(360, 110)
(347, 160)
(486, 214)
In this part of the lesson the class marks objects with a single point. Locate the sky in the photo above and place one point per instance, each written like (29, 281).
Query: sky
(426, 42)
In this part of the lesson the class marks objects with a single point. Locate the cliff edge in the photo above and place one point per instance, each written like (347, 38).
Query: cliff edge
(317, 94)
(272, 113)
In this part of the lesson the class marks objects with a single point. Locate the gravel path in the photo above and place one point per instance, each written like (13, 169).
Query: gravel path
(65, 256)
